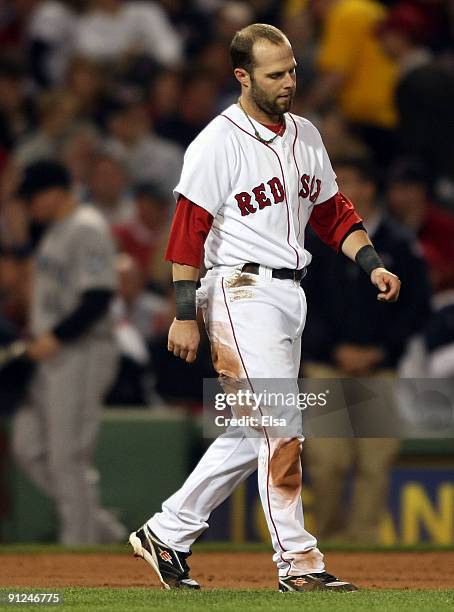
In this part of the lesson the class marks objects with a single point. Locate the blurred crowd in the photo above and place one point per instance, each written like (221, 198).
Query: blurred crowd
(117, 89)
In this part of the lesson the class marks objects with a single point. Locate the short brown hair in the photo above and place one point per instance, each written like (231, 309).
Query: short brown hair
(243, 42)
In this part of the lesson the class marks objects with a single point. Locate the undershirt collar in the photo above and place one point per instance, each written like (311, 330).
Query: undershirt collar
(274, 127)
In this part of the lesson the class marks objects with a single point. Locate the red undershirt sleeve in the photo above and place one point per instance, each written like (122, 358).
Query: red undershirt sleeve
(190, 227)
(334, 220)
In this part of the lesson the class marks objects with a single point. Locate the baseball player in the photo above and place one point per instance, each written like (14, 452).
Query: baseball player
(251, 181)
(55, 430)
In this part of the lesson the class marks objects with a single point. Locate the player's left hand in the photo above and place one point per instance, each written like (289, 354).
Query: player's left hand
(388, 284)
(44, 347)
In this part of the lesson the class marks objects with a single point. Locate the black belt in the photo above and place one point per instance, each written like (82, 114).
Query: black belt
(282, 273)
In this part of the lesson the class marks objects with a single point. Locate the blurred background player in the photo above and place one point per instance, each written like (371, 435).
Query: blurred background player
(56, 428)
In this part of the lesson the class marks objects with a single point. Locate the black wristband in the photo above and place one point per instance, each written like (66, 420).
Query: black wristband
(185, 300)
(368, 259)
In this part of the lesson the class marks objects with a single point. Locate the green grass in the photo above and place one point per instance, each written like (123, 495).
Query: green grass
(130, 600)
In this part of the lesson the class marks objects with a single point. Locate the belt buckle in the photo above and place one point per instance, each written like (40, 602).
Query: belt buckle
(294, 275)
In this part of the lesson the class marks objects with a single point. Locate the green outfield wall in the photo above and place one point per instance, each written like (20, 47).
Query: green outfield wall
(143, 456)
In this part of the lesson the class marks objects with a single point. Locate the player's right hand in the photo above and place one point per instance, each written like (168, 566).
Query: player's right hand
(184, 338)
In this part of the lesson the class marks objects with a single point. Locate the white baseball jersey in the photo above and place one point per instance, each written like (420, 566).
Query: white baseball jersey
(260, 195)
(75, 255)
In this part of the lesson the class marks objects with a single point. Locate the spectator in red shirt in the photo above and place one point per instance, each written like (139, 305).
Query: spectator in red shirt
(142, 236)
(409, 202)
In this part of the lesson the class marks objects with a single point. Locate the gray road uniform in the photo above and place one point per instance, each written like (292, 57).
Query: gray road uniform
(56, 428)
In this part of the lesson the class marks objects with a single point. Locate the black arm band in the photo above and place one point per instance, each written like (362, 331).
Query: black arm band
(354, 228)
(93, 305)
(368, 259)
(185, 300)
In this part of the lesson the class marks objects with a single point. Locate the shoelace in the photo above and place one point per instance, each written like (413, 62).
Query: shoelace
(325, 577)
(299, 581)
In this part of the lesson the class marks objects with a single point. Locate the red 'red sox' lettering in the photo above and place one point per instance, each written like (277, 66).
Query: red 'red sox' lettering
(244, 203)
(310, 187)
(244, 199)
(260, 196)
(277, 190)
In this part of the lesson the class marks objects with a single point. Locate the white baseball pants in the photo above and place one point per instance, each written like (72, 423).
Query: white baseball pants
(255, 324)
(55, 432)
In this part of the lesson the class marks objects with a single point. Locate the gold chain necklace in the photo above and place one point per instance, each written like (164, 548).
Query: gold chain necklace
(257, 135)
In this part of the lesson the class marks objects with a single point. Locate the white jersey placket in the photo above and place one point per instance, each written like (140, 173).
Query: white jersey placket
(283, 146)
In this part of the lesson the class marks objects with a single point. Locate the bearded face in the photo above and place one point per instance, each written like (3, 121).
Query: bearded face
(271, 102)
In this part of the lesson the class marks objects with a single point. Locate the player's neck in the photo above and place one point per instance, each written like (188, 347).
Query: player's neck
(258, 114)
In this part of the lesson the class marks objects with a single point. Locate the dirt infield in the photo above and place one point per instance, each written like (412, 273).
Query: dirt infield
(431, 570)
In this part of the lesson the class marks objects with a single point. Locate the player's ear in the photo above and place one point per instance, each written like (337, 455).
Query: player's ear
(242, 76)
